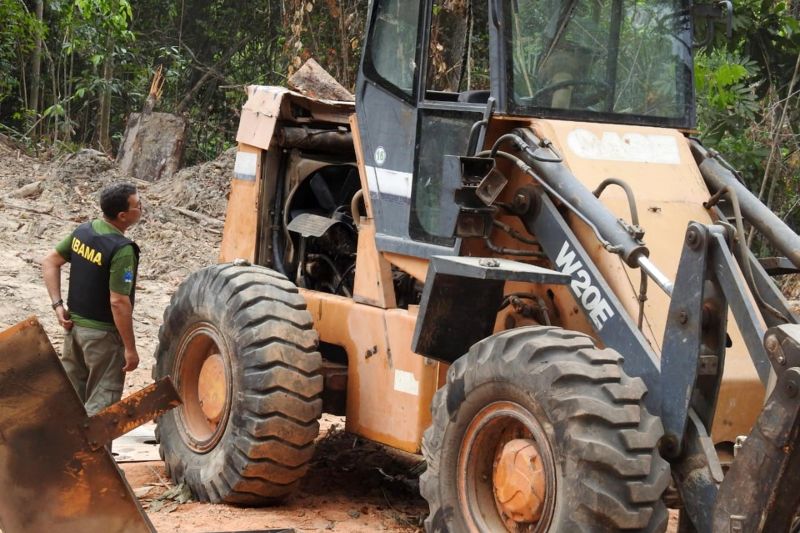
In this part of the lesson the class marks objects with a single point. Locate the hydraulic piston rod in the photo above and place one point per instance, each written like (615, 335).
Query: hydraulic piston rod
(659, 277)
(621, 238)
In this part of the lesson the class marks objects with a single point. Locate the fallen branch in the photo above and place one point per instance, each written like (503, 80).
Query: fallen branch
(198, 216)
(10, 141)
(161, 480)
(27, 191)
(142, 184)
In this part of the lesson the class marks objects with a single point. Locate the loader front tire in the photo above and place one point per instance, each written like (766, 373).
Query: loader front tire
(241, 349)
(538, 430)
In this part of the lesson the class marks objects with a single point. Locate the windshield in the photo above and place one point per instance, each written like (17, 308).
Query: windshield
(593, 58)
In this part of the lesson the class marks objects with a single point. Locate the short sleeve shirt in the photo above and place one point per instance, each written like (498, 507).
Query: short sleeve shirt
(123, 266)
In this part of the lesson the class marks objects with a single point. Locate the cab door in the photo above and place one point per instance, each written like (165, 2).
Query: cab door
(386, 98)
(424, 82)
(454, 93)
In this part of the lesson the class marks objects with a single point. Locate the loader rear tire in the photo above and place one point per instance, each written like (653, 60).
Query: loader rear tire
(569, 422)
(242, 351)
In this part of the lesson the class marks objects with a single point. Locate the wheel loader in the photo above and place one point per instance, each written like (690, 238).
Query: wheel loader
(511, 255)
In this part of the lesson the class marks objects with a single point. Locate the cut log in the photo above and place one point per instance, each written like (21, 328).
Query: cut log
(37, 208)
(27, 191)
(314, 81)
(153, 144)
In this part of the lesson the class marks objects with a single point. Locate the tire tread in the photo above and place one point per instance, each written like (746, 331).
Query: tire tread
(599, 421)
(269, 442)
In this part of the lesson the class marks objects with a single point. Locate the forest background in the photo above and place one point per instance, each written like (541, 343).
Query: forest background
(72, 70)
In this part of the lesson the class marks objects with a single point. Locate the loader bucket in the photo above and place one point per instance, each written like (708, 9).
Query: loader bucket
(56, 473)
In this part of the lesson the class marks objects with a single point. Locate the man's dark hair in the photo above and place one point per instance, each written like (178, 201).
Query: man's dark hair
(114, 199)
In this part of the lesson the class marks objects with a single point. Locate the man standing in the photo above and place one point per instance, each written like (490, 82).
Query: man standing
(99, 346)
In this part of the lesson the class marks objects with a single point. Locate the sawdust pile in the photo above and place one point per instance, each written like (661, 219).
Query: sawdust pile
(203, 188)
(173, 242)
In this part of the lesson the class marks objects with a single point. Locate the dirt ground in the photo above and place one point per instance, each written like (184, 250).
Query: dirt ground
(353, 485)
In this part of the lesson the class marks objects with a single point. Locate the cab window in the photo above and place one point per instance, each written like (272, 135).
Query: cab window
(393, 43)
(458, 50)
(602, 56)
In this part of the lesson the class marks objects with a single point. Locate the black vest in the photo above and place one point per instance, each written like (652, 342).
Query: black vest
(90, 255)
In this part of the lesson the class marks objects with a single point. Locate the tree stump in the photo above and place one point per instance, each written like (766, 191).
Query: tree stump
(153, 145)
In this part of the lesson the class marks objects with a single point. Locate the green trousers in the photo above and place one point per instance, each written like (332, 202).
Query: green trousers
(94, 360)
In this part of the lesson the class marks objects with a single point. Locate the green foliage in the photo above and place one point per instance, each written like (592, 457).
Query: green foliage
(209, 51)
(747, 102)
(768, 33)
(726, 86)
(17, 40)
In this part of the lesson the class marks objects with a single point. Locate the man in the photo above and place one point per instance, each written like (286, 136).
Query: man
(99, 346)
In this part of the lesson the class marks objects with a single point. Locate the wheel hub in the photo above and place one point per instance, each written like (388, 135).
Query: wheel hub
(520, 481)
(211, 390)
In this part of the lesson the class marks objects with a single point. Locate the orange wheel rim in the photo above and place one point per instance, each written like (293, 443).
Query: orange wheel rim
(506, 471)
(203, 381)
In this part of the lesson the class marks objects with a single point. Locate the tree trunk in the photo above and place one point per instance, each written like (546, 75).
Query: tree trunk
(448, 28)
(51, 68)
(344, 47)
(68, 111)
(36, 64)
(103, 127)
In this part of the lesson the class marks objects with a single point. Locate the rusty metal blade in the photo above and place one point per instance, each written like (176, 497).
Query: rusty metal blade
(130, 413)
(761, 491)
(50, 479)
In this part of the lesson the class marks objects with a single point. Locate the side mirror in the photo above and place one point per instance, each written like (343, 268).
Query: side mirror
(711, 13)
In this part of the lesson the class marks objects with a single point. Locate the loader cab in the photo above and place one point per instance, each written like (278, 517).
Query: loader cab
(614, 61)
(433, 69)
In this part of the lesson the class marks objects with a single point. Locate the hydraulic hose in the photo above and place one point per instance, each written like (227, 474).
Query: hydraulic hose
(742, 244)
(635, 221)
(637, 252)
(556, 174)
(355, 212)
(529, 171)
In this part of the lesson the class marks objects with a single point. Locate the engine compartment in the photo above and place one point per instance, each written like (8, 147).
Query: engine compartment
(315, 202)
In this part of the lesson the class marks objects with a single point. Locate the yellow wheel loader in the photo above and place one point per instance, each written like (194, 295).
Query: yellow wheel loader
(510, 255)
